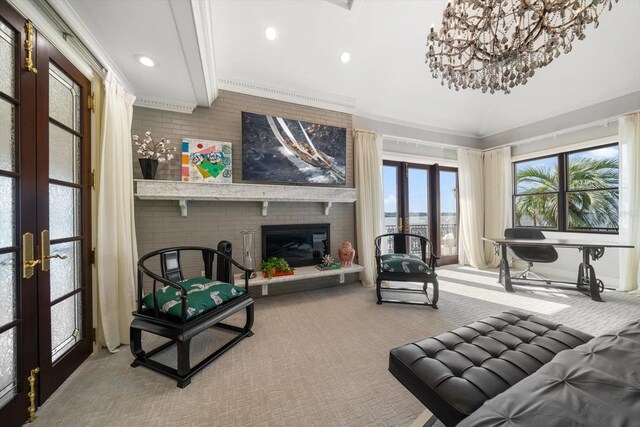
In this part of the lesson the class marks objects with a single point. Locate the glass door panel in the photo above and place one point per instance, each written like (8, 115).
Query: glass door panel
(8, 365)
(7, 59)
(65, 160)
(9, 321)
(391, 200)
(423, 200)
(417, 219)
(448, 181)
(7, 135)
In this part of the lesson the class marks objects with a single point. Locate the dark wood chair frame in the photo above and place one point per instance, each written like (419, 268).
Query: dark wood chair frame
(180, 330)
(400, 241)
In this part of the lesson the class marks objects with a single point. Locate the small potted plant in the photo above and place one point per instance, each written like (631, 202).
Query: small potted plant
(275, 266)
(152, 153)
(328, 263)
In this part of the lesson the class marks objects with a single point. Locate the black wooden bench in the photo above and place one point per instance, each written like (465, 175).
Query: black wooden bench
(180, 319)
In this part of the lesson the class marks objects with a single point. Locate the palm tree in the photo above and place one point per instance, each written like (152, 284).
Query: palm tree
(588, 205)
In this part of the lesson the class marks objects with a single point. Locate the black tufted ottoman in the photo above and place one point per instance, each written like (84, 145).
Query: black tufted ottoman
(454, 373)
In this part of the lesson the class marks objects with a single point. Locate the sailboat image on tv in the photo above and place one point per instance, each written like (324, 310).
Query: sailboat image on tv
(304, 150)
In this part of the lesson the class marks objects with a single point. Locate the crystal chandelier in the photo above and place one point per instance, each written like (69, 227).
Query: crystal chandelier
(494, 45)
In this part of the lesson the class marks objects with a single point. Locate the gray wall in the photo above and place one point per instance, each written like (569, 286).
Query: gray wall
(159, 224)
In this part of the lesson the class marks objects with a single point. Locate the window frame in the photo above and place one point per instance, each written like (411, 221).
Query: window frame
(563, 190)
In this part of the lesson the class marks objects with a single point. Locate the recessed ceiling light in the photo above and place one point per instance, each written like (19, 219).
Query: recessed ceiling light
(345, 57)
(270, 33)
(146, 61)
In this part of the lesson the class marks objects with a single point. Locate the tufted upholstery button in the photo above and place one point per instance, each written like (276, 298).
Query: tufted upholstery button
(454, 373)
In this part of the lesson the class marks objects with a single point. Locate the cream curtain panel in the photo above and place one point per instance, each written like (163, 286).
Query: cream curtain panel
(470, 172)
(497, 198)
(116, 249)
(629, 231)
(369, 209)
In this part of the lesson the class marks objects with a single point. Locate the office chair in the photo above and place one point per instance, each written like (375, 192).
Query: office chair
(531, 254)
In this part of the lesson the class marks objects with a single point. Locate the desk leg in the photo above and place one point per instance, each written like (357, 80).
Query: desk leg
(587, 276)
(505, 274)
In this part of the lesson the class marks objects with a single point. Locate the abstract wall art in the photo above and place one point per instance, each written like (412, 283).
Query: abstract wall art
(206, 161)
(279, 150)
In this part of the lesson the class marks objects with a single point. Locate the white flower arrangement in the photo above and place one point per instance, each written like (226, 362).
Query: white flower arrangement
(149, 149)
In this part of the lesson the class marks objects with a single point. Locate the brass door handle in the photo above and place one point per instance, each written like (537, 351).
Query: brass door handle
(31, 263)
(28, 263)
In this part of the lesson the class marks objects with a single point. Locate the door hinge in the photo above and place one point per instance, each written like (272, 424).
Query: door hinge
(93, 335)
(92, 102)
(92, 256)
(92, 179)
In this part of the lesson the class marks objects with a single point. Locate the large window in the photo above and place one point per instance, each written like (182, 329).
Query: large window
(573, 191)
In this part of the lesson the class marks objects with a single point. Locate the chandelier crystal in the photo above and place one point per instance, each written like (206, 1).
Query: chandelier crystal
(494, 45)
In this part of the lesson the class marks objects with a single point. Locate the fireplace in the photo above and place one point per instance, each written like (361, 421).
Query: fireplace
(299, 244)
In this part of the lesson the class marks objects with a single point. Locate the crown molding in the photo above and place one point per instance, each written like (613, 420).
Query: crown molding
(303, 97)
(572, 109)
(203, 20)
(165, 105)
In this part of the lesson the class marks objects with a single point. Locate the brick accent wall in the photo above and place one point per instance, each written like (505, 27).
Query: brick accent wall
(159, 224)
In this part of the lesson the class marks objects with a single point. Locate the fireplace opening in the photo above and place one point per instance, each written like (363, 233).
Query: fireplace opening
(299, 244)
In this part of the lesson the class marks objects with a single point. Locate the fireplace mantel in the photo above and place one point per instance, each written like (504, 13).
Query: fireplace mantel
(184, 192)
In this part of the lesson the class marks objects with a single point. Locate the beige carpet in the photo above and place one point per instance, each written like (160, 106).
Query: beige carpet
(318, 358)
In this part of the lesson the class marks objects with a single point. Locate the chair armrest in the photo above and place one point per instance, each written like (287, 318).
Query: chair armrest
(432, 262)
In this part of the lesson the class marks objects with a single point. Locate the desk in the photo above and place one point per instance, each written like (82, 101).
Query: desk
(587, 283)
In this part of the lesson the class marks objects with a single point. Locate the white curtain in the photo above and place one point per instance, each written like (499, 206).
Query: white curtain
(629, 134)
(116, 250)
(369, 209)
(470, 169)
(497, 198)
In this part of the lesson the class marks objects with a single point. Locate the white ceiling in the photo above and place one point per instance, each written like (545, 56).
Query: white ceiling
(386, 79)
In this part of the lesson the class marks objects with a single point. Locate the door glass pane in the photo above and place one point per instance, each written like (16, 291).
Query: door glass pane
(64, 98)
(64, 155)
(64, 211)
(390, 190)
(7, 135)
(7, 211)
(65, 273)
(418, 194)
(66, 326)
(8, 365)
(448, 213)
(8, 287)
(7, 59)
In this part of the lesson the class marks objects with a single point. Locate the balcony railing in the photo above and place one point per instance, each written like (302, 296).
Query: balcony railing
(422, 230)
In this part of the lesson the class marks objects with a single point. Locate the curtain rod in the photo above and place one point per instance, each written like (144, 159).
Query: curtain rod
(365, 131)
(69, 36)
(427, 143)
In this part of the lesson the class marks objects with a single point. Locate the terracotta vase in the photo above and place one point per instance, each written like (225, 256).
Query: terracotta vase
(346, 254)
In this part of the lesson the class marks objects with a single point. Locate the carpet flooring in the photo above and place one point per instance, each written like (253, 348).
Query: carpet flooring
(318, 358)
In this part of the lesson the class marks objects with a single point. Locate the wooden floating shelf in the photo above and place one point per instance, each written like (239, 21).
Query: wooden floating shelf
(183, 192)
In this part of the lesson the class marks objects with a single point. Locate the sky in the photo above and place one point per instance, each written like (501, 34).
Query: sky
(549, 163)
(418, 187)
